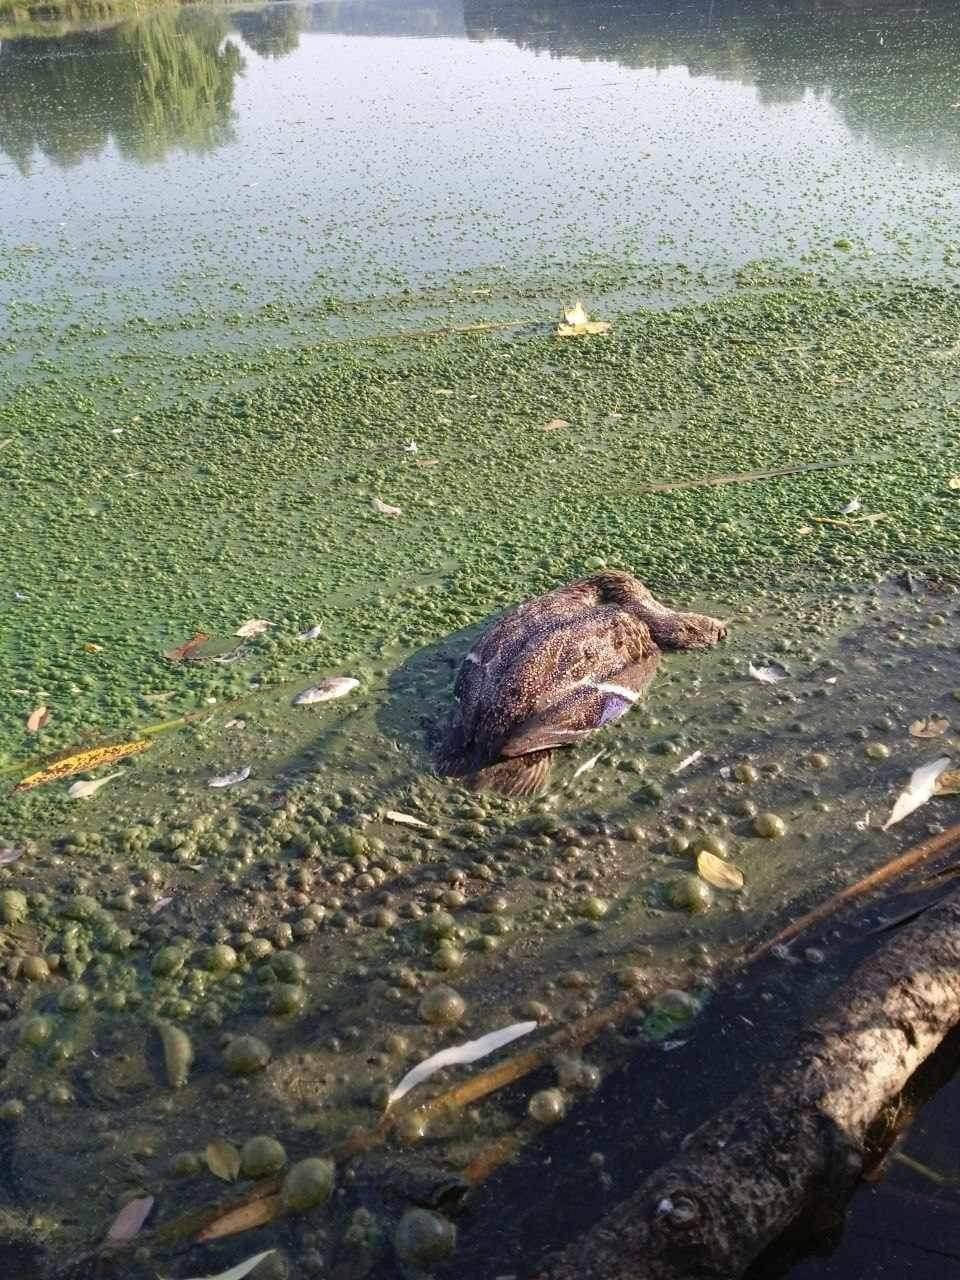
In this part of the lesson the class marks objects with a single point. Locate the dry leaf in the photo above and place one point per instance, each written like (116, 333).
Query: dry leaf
(404, 819)
(721, 874)
(252, 627)
(37, 719)
(573, 330)
(556, 424)
(686, 762)
(223, 1159)
(948, 784)
(130, 1219)
(90, 647)
(459, 1055)
(245, 1217)
(921, 787)
(769, 675)
(385, 509)
(576, 314)
(241, 1269)
(930, 727)
(82, 762)
(230, 779)
(84, 790)
(326, 690)
(184, 652)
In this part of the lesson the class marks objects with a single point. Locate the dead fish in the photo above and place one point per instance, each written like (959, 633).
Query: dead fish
(84, 790)
(311, 633)
(252, 627)
(326, 690)
(385, 508)
(230, 779)
(768, 675)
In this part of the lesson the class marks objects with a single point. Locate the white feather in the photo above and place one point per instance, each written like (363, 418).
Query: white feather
(921, 788)
(459, 1055)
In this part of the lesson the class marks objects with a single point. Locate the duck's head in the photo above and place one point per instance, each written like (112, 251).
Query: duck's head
(692, 631)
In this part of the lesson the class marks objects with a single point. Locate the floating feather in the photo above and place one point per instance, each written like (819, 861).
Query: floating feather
(326, 690)
(230, 779)
(84, 790)
(405, 819)
(240, 1270)
(768, 675)
(459, 1055)
(921, 788)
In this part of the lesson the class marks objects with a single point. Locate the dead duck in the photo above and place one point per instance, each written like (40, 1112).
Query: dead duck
(554, 670)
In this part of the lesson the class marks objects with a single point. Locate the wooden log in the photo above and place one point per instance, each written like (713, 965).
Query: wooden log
(795, 1141)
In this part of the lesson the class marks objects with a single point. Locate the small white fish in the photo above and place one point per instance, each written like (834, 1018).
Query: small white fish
(586, 766)
(326, 690)
(404, 819)
(253, 627)
(311, 633)
(458, 1055)
(852, 506)
(768, 675)
(84, 790)
(230, 779)
(385, 508)
(686, 762)
(921, 788)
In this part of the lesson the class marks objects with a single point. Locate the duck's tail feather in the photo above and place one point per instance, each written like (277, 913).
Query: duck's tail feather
(520, 776)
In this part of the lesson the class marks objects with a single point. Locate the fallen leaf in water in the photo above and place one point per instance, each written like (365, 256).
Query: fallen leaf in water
(721, 874)
(921, 787)
(576, 314)
(953, 482)
(311, 633)
(223, 1159)
(84, 790)
(556, 424)
(458, 1055)
(405, 819)
(948, 784)
(252, 627)
(184, 652)
(240, 1270)
(586, 766)
(686, 762)
(37, 719)
(805, 529)
(385, 508)
(428, 462)
(929, 727)
(130, 1219)
(769, 675)
(326, 690)
(245, 1217)
(9, 854)
(230, 779)
(573, 330)
(853, 505)
(90, 647)
(82, 762)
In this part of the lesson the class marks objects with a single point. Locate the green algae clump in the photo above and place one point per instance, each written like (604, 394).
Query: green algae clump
(260, 1156)
(308, 1184)
(245, 1055)
(424, 1238)
(14, 907)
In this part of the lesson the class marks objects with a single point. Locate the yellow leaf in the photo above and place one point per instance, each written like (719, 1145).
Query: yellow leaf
(722, 875)
(953, 482)
(948, 784)
(37, 719)
(223, 1159)
(81, 762)
(90, 647)
(804, 530)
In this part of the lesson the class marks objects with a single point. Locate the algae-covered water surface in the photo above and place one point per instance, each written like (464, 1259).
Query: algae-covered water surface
(283, 399)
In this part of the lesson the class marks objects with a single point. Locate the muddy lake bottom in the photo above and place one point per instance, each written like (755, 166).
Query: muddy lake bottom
(283, 399)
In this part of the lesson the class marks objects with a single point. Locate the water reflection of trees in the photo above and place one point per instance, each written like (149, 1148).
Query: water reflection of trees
(149, 84)
(890, 66)
(274, 30)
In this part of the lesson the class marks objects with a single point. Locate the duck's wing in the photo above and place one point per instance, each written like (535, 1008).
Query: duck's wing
(570, 681)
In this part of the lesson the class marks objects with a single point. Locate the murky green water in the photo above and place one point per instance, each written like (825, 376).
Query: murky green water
(247, 258)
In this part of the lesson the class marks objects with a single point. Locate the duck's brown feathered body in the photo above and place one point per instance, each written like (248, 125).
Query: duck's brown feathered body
(554, 670)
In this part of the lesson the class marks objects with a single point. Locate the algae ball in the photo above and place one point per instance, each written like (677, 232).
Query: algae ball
(820, 760)
(12, 1110)
(442, 1006)
(260, 1156)
(593, 908)
(35, 968)
(424, 1238)
(690, 893)
(221, 958)
(167, 961)
(548, 1106)
(711, 843)
(309, 1183)
(73, 997)
(287, 998)
(769, 825)
(13, 906)
(245, 1054)
(676, 1004)
(877, 751)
